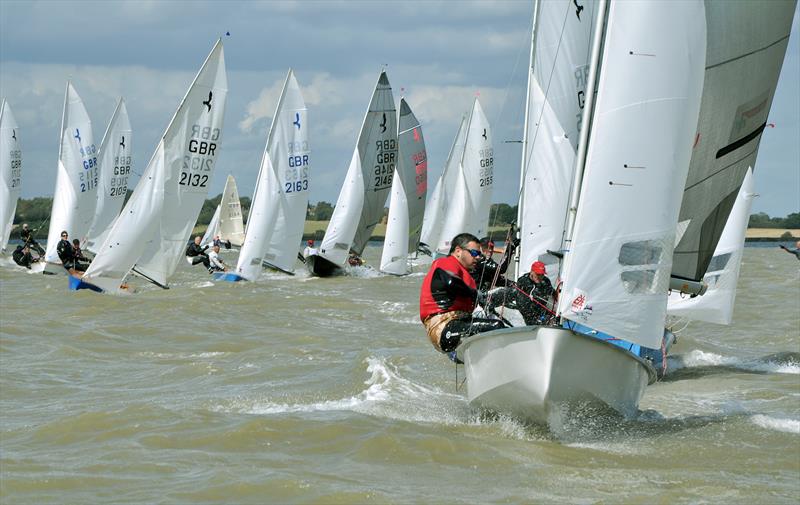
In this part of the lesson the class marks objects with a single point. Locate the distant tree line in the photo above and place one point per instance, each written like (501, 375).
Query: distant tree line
(36, 212)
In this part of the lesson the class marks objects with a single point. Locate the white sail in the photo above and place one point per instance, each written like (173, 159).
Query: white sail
(141, 217)
(716, 305)
(556, 96)
(436, 208)
(469, 202)
(746, 46)
(115, 161)
(231, 226)
(77, 176)
(616, 272)
(213, 228)
(409, 189)
(280, 199)
(10, 171)
(368, 180)
(191, 146)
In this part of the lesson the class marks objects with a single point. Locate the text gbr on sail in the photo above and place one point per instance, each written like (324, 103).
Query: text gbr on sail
(384, 163)
(202, 149)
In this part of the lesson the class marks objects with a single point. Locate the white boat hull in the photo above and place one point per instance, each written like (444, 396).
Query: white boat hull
(533, 371)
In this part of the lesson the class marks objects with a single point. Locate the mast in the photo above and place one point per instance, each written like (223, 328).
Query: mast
(524, 161)
(580, 162)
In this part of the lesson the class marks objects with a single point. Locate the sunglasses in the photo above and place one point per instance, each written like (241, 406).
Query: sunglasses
(63, 234)
(474, 252)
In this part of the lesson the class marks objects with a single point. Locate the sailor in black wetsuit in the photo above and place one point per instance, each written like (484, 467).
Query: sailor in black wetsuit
(22, 256)
(196, 254)
(26, 235)
(487, 268)
(67, 254)
(78, 254)
(534, 295)
(220, 243)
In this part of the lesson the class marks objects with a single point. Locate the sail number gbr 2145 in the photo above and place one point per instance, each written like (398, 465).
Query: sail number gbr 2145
(198, 163)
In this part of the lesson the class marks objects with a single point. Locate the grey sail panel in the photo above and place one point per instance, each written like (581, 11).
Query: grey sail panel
(377, 147)
(745, 50)
(413, 171)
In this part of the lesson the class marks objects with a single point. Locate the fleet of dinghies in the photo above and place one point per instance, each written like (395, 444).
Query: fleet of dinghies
(10, 171)
(642, 125)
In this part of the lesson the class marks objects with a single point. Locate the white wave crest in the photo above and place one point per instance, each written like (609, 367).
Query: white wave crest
(777, 424)
(698, 358)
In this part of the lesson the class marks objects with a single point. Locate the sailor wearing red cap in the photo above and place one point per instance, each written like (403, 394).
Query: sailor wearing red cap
(310, 249)
(540, 294)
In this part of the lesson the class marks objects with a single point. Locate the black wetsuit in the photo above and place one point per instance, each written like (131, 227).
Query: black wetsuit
(486, 269)
(22, 259)
(198, 255)
(67, 256)
(532, 307)
(226, 244)
(27, 239)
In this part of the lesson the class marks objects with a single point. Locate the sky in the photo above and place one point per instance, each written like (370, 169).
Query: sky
(439, 55)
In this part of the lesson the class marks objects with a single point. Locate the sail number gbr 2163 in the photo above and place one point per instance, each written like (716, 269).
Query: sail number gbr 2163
(198, 163)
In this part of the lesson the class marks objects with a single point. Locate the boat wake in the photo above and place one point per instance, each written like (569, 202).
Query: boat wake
(698, 364)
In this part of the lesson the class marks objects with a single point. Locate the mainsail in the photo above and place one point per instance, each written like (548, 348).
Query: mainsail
(368, 181)
(77, 177)
(185, 156)
(409, 188)
(616, 272)
(436, 208)
(115, 161)
(190, 149)
(556, 95)
(10, 171)
(469, 202)
(278, 208)
(227, 221)
(716, 305)
(746, 45)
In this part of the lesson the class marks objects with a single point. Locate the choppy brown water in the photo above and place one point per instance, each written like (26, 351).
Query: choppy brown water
(298, 390)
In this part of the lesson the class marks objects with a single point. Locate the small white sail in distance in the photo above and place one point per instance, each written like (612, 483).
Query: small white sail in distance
(407, 202)
(115, 158)
(280, 197)
(10, 171)
(141, 217)
(75, 194)
(231, 226)
(213, 227)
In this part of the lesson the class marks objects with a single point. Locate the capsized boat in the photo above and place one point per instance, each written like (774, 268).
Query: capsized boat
(280, 198)
(10, 171)
(150, 234)
(359, 207)
(619, 241)
(407, 201)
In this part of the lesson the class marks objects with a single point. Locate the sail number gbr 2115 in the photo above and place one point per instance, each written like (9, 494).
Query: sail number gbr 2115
(200, 158)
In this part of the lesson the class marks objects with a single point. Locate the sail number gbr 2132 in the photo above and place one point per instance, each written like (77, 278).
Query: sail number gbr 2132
(198, 163)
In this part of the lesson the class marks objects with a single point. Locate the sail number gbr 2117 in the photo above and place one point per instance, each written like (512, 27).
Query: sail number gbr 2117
(198, 163)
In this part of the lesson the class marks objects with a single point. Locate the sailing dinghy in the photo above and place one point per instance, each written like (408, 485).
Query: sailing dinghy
(77, 179)
(153, 228)
(227, 221)
(637, 135)
(280, 198)
(407, 201)
(367, 183)
(10, 171)
(115, 159)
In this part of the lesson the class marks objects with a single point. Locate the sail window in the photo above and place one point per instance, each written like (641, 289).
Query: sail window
(643, 252)
(719, 262)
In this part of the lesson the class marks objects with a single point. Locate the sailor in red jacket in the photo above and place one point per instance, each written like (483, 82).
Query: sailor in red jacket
(449, 294)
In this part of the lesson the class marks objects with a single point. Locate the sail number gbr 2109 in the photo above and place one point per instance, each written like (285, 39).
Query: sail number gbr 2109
(199, 162)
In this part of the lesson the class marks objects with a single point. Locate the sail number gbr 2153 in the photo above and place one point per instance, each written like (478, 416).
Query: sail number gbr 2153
(198, 163)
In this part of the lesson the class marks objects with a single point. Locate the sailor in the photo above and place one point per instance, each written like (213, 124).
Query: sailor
(486, 268)
(534, 294)
(66, 253)
(796, 250)
(219, 242)
(449, 294)
(354, 260)
(22, 256)
(78, 253)
(217, 265)
(196, 254)
(26, 235)
(310, 249)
